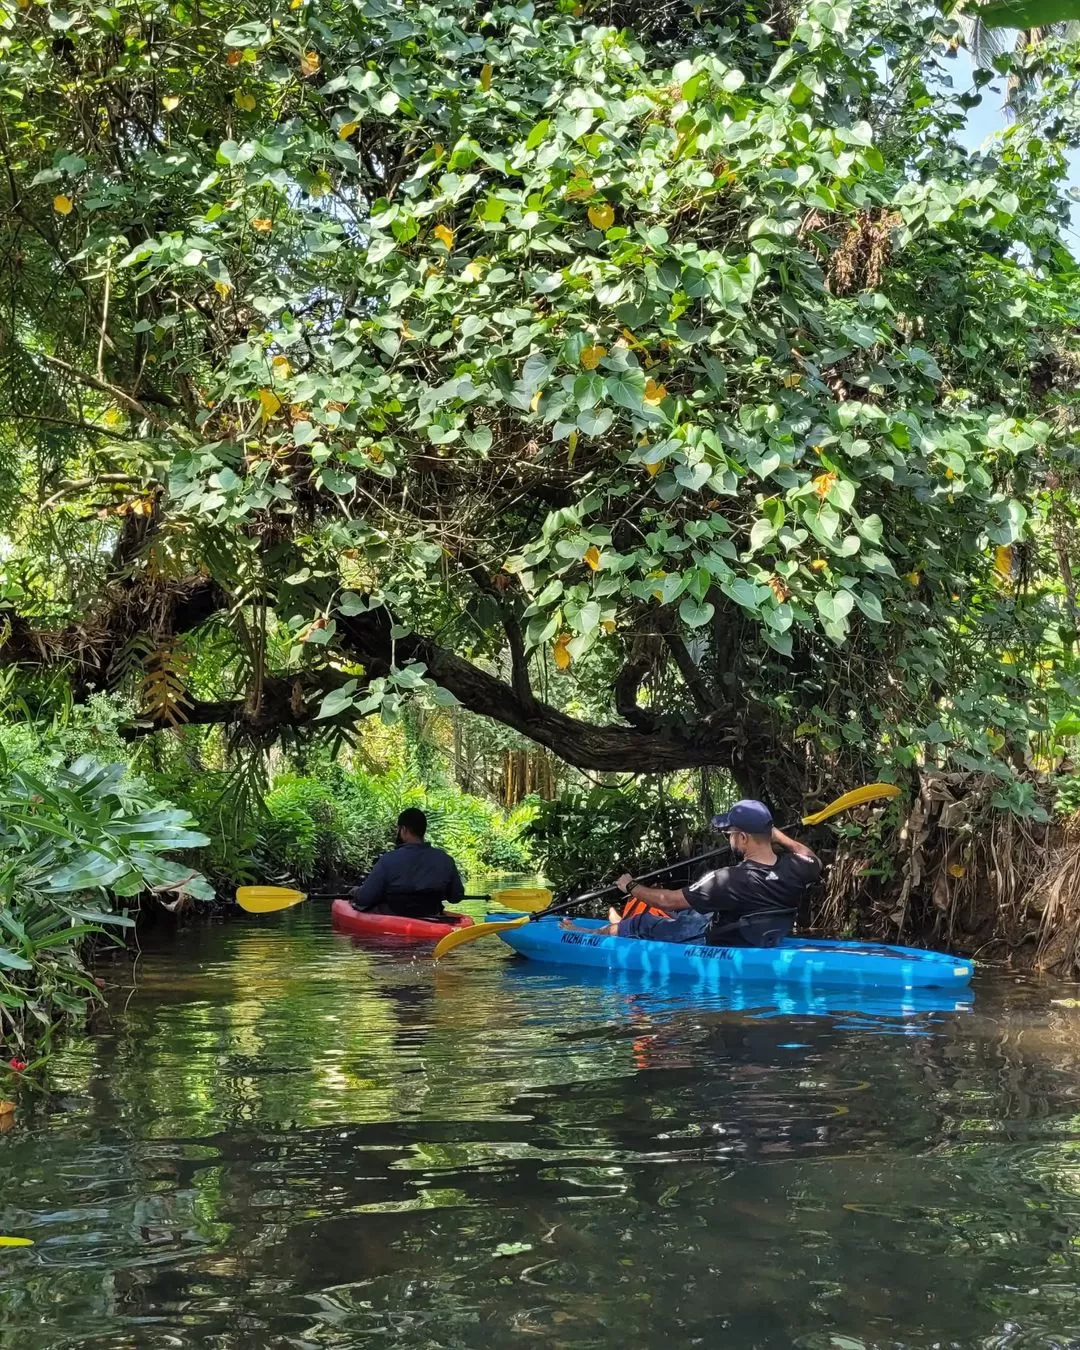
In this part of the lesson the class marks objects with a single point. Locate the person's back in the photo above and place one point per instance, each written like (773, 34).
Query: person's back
(414, 879)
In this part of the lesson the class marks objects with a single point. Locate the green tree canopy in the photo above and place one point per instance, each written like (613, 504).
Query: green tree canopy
(646, 359)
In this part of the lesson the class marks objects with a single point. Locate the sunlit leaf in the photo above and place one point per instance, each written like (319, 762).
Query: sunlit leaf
(602, 216)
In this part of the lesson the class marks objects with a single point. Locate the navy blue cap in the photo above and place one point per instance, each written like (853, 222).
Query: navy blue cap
(753, 817)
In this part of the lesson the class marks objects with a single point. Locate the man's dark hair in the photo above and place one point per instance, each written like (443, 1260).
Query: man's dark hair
(413, 820)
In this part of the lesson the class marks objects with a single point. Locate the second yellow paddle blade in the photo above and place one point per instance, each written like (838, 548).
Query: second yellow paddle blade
(473, 934)
(531, 899)
(267, 899)
(870, 792)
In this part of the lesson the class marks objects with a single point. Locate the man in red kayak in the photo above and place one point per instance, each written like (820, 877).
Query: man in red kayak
(752, 904)
(412, 880)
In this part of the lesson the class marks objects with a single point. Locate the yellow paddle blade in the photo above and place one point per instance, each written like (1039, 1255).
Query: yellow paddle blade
(529, 898)
(16, 1242)
(871, 792)
(478, 930)
(267, 899)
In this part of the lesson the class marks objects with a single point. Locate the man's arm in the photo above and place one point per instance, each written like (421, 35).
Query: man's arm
(788, 845)
(651, 895)
(372, 890)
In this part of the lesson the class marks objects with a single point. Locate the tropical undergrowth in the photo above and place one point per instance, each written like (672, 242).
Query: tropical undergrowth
(335, 827)
(81, 845)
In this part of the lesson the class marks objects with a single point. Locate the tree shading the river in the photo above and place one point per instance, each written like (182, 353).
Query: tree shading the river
(687, 363)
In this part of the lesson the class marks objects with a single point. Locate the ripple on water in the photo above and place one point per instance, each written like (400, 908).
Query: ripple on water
(285, 1139)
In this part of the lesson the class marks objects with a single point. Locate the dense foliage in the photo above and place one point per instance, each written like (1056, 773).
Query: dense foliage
(336, 826)
(676, 392)
(583, 837)
(68, 841)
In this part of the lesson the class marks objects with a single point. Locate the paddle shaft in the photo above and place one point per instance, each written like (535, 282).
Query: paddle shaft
(648, 876)
(421, 918)
(336, 895)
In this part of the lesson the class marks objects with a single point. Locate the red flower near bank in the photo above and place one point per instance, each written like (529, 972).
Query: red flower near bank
(17, 1064)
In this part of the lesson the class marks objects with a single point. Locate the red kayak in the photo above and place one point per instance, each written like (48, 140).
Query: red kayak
(348, 920)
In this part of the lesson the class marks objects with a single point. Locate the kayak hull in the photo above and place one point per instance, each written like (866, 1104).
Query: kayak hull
(345, 919)
(795, 961)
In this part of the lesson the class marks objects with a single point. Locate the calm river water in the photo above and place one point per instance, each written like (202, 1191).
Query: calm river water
(283, 1139)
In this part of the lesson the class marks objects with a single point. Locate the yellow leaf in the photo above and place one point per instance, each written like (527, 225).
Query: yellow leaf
(263, 224)
(63, 205)
(1003, 562)
(602, 216)
(572, 442)
(559, 652)
(592, 557)
(957, 870)
(949, 475)
(113, 417)
(823, 482)
(913, 578)
(536, 400)
(170, 102)
(445, 235)
(485, 77)
(295, 4)
(653, 469)
(608, 625)
(658, 575)
(223, 288)
(16, 1242)
(234, 57)
(592, 356)
(281, 367)
(473, 272)
(244, 101)
(346, 130)
(310, 63)
(792, 381)
(270, 403)
(654, 393)
(818, 565)
(1008, 659)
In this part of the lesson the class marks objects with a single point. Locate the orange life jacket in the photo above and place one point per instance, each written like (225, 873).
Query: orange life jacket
(633, 908)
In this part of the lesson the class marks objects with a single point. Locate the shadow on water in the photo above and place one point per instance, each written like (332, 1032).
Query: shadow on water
(284, 1138)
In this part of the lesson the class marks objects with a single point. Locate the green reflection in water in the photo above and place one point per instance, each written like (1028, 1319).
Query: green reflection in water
(282, 1138)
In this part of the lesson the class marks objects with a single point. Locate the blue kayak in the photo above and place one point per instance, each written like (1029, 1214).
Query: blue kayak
(800, 961)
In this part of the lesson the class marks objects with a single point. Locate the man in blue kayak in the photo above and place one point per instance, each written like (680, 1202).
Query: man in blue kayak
(412, 880)
(751, 904)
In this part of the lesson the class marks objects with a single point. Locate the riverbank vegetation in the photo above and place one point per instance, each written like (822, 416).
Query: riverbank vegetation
(667, 393)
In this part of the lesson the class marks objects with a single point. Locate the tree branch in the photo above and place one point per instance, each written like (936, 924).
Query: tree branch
(587, 745)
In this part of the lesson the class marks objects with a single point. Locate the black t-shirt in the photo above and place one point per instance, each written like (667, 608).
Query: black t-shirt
(753, 887)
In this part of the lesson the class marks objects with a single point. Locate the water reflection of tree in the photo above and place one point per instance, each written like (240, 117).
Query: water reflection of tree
(288, 1135)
